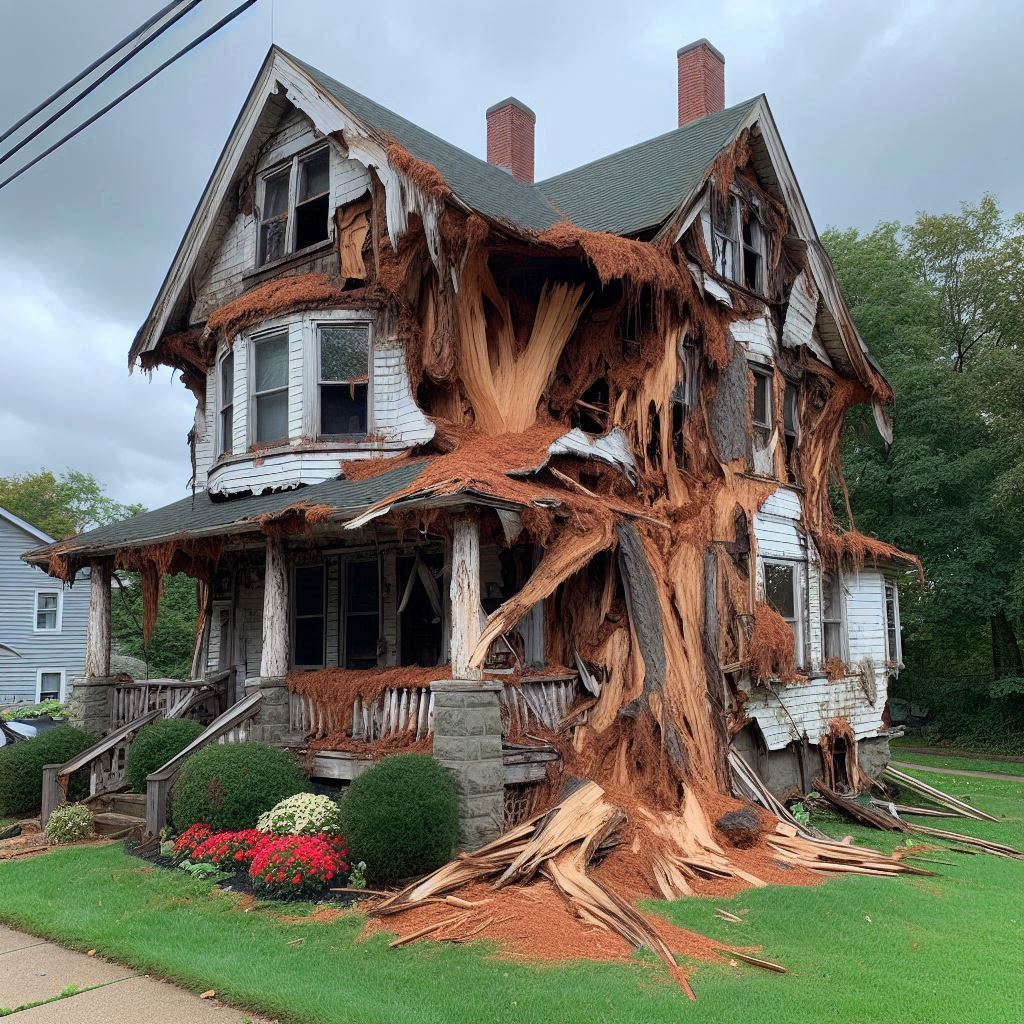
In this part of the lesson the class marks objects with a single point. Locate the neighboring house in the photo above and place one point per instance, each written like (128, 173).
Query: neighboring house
(598, 414)
(43, 623)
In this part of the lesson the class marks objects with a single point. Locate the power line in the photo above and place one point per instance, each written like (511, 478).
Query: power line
(99, 81)
(128, 92)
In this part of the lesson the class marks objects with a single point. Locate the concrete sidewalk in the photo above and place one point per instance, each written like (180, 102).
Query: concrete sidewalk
(32, 969)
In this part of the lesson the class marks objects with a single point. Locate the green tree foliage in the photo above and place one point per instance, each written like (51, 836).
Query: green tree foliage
(169, 654)
(940, 304)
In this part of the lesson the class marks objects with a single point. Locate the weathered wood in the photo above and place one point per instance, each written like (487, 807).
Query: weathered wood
(51, 792)
(274, 659)
(97, 649)
(643, 606)
(465, 594)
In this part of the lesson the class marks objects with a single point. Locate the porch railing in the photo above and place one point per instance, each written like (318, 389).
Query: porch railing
(137, 698)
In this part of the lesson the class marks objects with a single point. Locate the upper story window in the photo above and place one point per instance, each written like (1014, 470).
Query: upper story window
(344, 351)
(295, 212)
(782, 592)
(762, 395)
(738, 243)
(226, 402)
(270, 389)
(48, 611)
(833, 645)
(893, 643)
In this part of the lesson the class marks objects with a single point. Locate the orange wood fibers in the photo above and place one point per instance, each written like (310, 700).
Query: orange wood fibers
(281, 295)
(771, 654)
(298, 518)
(424, 176)
(835, 669)
(851, 550)
(364, 469)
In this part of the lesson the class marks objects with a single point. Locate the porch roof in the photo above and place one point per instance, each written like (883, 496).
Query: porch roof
(199, 515)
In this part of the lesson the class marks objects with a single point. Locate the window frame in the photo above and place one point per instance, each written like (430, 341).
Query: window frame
(224, 444)
(292, 165)
(322, 566)
(62, 690)
(252, 425)
(318, 380)
(799, 604)
(763, 373)
(733, 236)
(892, 658)
(839, 618)
(59, 620)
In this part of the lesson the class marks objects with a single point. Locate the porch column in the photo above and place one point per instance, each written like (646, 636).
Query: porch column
(465, 593)
(97, 649)
(274, 660)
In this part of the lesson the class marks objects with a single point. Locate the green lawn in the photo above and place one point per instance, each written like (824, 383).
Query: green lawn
(957, 761)
(929, 950)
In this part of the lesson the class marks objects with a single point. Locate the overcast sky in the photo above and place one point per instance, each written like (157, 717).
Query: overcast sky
(885, 109)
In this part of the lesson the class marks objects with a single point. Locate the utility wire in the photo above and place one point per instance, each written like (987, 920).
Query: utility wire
(128, 92)
(99, 81)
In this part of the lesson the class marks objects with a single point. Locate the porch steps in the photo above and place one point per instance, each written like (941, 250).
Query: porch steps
(110, 823)
(118, 813)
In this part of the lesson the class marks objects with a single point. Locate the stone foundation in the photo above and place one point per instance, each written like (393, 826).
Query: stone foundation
(467, 741)
(91, 704)
(271, 723)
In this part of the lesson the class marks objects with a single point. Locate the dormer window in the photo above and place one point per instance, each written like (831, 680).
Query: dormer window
(344, 351)
(270, 389)
(295, 212)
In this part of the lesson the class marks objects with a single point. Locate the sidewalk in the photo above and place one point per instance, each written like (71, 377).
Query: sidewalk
(33, 969)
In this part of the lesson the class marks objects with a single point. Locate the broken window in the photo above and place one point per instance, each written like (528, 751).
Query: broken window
(790, 422)
(344, 379)
(753, 251)
(762, 396)
(893, 645)
(782, 592)
(308, 630)
(270, 389)
(832, 616)
(48, 611)
(226, 400)
(724, 241)
(362, 613)
(738, 243)
(296, 205)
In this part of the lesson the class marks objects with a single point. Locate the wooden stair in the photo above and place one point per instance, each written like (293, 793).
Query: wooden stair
(119, 814)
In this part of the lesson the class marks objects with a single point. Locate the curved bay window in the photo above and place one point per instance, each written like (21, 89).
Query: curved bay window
(344, 354)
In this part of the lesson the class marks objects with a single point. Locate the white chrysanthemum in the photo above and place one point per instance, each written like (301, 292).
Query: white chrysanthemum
(304, 814)
(68, 824)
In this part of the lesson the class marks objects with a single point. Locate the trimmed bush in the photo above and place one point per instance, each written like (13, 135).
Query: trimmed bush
(21, 768)
(305, 814)
(69, 824)
(401, 817)
(155, 746)
(228, 786)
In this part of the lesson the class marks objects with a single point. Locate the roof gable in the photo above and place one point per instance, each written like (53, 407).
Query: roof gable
(25, 527)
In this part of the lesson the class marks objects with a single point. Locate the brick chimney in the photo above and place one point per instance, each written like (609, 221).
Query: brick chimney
(510, 138)
(701, 81)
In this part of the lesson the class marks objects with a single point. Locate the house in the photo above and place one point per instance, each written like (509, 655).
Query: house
(534, 472)
(43, 623)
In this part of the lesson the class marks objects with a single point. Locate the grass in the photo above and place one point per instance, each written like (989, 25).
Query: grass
(906, 951)
(956, 761)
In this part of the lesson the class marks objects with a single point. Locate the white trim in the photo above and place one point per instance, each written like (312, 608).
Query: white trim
(27, 527)
(60, 610)
(62, 694)
(223, 446)
(894, 658)
(253, 341)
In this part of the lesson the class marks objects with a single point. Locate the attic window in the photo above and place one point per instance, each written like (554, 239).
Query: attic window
(295, 212)
(738, 244)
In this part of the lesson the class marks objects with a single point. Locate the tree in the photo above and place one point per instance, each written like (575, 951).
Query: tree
(169, 653)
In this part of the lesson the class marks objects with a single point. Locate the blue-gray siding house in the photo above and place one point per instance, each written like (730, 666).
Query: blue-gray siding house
(42, 622)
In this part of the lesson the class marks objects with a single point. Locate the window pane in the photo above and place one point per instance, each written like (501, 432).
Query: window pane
(343, 409)
(309, 590)
(361, 641)
(789, 407)
(314, 175)
(227, 378)
(762, 400)
(309, 641)
(344, 352)
(273, 240)
(272, 417)
(272, 363)
(47, 601)
(311, 222)
(227, 428)
(778, 589)
(46, 620)
(275, 196)
(833, 640)
(49, 686)
(830, 607)
(361, 587)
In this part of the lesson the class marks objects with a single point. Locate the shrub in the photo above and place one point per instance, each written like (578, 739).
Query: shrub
(155, 746)
(304, 814)
(68, 824)
(401, 817)
(21, 768)
(296, 867)
(230, 785)
(186, 844)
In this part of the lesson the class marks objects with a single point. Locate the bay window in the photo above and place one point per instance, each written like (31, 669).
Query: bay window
(226, 402)
(344, 354)
(270, 389)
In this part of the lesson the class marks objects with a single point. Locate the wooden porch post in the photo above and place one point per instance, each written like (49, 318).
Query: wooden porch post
(97, 651)
(274, 661)
(465, 593)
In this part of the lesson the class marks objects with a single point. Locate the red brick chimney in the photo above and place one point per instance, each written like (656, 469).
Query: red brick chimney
(510, 138)
(701, 81)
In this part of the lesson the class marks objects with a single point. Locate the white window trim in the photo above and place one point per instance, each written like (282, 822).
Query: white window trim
(311, 351)
(292, 163)
(892, 657)
(60, 610)
(844, 634)
(266, 334)
(225, 445)
(51, 671)
(736, 271)
(764, 371)
(799, 567)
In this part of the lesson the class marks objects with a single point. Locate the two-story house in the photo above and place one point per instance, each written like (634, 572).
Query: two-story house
(576, 436)
(43, 623)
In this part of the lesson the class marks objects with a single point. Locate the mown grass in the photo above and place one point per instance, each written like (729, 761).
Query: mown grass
(908, 951)
(957, 761)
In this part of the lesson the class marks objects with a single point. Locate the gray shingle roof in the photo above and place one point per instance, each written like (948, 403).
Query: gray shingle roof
(200, 514)
(639, 187)
(624, 193)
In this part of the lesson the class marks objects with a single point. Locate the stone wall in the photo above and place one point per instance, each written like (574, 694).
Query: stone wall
(91, 704)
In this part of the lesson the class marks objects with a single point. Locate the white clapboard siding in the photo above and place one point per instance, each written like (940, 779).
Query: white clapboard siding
(776, 526)
(396, 416)
(206, 429)
(757, 336)
(865, 617)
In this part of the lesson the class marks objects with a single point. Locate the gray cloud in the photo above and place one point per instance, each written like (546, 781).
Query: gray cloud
(885, 110)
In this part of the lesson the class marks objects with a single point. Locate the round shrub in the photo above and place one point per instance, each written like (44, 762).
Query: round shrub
(69, 824)
(401, 817)
(305, 814)
(21, 768)
(228, 786)
(155, 746)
